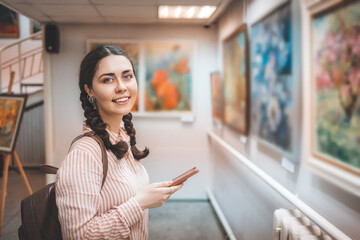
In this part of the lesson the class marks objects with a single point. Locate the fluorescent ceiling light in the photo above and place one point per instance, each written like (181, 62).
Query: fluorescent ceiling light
(186, 12)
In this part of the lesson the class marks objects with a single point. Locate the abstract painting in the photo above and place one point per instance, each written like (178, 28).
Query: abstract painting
(9, 23)
(335, 80)
(236, 80)
(216, 96)
(271, 70)
(131, 48)
(168, 77)
(11, 111)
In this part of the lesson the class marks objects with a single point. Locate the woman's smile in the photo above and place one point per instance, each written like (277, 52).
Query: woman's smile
(121, 100)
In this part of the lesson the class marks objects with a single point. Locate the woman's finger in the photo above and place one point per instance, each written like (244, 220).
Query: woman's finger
(162, 184)
(172, 189)
(177, 187)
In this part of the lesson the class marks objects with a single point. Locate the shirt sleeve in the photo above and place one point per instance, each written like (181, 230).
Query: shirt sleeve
(78, 187)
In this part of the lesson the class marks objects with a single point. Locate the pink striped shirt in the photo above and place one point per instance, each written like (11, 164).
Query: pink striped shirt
(88, 212)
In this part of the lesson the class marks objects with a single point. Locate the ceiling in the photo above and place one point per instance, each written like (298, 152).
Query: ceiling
(107, 11)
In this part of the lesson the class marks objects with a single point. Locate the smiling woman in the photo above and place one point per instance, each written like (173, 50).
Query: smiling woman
(119, 209)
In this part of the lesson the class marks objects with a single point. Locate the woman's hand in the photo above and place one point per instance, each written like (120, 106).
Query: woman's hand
(156, 194)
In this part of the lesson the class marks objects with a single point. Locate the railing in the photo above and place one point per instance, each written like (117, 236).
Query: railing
(26, 62)
(294, 200)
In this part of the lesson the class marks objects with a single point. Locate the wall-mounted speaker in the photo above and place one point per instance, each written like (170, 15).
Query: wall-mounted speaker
(52, 38)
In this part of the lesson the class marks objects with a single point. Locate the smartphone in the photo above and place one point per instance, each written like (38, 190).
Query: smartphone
(183, 177)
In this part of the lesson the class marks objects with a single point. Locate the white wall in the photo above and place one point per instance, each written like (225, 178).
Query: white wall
(247, 202)
(174, 146)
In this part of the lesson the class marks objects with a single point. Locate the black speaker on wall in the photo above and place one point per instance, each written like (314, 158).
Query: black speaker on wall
(52, 38)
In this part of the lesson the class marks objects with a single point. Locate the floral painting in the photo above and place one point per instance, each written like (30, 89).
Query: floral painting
(168, 77)
(131, 48)
(271, 70)
(9, 23)
(336, 85)
(236, 94)
(11, 109)
(216, 96)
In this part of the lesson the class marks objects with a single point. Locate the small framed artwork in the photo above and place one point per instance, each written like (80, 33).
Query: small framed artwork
(11, 112)
(34, 27)
(272, 80)
(9, 23)
(216, 96)
(168, 77)
(132, 48)
(332, 75)
(236, 80)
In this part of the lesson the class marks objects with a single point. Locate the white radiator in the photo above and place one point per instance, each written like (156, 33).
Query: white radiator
(293, 225)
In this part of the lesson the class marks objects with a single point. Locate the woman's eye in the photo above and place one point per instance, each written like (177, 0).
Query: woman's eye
(128, 76)
(106, 80)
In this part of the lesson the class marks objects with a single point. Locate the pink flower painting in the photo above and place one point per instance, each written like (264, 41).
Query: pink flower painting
(336, 67)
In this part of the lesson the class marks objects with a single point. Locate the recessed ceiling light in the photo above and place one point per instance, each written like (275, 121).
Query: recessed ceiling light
(186, 12)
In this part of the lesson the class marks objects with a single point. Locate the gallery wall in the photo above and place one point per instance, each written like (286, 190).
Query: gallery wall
(247, 202)
(175, 145)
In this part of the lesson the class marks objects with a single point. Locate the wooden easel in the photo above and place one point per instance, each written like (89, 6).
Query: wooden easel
(6, 169)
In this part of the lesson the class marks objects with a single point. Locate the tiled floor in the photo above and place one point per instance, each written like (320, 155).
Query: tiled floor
(175, 220)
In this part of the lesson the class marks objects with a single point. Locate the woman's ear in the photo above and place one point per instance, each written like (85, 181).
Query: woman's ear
(88, 90)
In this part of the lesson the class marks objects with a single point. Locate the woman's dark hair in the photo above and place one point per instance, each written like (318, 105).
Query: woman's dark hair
(88, 68)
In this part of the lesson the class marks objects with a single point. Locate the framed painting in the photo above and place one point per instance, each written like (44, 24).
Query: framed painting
(335, 85)
(331, 100)
(132, 49)
(34, 27)
(216, 96)
(236, 80)
(168, 77)
(9, 23)
(11, 112)
(272, 79)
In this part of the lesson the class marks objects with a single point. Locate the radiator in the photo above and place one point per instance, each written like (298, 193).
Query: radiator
(291, 224)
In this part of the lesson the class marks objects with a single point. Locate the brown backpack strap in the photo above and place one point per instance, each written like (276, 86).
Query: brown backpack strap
(48, 169)
(52, 170)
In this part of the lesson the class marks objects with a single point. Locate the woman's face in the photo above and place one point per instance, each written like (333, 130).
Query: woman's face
(114, 87)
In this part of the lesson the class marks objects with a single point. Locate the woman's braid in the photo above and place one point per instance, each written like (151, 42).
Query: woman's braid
(131, 132)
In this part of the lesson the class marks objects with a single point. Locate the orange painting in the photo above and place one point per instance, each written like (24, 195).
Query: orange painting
(10, 115)
(168, 77)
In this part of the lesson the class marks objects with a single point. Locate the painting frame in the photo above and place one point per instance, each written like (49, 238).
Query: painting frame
(332, 171)
(8, 143)
(286, 81)
(11, 20)
(228, 71)
(217, 98)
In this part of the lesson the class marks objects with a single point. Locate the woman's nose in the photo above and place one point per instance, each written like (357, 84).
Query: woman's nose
(120, 86)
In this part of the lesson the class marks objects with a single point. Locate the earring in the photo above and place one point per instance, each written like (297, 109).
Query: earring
(91, 100)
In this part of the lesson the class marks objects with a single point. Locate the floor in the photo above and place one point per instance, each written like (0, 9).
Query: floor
(175, 220)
